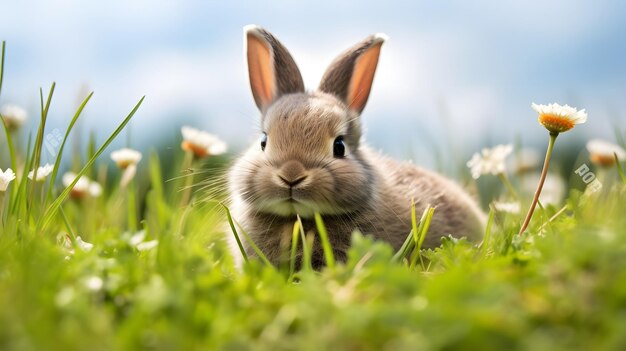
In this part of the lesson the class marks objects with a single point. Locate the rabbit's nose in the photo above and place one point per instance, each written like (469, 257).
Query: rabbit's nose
(292, 173)
(293, 182)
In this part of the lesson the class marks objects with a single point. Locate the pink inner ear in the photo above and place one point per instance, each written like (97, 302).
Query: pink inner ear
(362, 78)
(261, 71)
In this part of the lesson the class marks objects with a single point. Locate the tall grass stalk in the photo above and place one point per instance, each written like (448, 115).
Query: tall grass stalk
(294, 248)
(132, 206)
(2, 65)
(507, 183)
(57, 162)
(423, 230)
(328, 250)
(53, 208)
(620, 171)
(544, 173)
(485, 243)
(235, 233)
(307, 247)
(189, 175)
(249, 240)
(36, 159)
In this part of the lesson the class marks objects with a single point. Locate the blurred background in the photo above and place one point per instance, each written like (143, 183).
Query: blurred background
(454, 76)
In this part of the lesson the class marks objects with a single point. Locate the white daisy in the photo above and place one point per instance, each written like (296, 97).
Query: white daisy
(510, 207)
(6, 177)
(602, 152)
(557, 118)
(13, 115)
(126, 157)
(84, 186)
(489, 161)
(83, 245)
(201, 143)
(42, 172)
(94, 283)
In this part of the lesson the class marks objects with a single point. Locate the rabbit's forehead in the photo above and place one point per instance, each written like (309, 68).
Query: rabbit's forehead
(306, 116)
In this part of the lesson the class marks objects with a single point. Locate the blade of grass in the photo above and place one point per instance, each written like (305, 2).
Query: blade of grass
(307, 244)
(20, 196)
(156, 176)
(619, 168)
(2, 65)
(414, 221)
(328, 250)
(11, 150)
(234, 230)
(248, 239)
(424, 226)
(422, 230)
(51, 211)
(485, 242)
(294, 248)
(67, 223)
(57, 162)
(131, 199)
(40, 133)
(405, 249)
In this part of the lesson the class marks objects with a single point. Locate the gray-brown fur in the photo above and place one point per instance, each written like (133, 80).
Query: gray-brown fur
(363, 190)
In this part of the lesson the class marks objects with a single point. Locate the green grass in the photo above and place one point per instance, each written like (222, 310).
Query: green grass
(562, 287)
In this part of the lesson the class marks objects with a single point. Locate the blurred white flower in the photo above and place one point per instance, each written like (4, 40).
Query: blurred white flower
(147, 245)
(509, 207)
(94, 283)
(14, 116)
(553, 188)
(557, 118)
(489, 161)
(84, 186)
(6, 177)
(602, 152)
(137, 240)
(526, 160)
(95, 189)
(126, 157)
(83, 245)
(201, 143)
(42, 172)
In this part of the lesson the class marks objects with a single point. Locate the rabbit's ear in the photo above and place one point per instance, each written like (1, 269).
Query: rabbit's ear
(350, 76)
(272, 70)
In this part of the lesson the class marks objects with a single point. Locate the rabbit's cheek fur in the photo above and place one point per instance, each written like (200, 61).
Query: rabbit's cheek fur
(334, 186)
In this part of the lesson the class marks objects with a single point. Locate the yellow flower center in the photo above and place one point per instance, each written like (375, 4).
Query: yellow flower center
(556, 123)
(198, 151)
(602, 160)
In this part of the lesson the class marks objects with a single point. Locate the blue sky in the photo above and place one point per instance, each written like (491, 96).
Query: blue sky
(454, 75)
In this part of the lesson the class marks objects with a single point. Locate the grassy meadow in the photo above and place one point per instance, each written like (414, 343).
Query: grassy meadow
(143, 263)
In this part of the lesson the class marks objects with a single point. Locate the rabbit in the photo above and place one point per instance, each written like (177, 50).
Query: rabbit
(311, 158)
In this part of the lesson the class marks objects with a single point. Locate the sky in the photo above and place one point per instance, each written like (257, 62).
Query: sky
(453, 77)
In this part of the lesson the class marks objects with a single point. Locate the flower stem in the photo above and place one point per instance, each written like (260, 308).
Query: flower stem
(544, 173)
(2, 207)
(507, 183)
(186, 168)
(132, 206)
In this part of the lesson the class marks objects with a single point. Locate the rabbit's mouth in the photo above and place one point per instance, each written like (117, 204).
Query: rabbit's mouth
(292, 206)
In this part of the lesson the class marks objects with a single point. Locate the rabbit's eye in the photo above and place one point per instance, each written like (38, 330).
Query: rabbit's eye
(263, 141)
(339, 148)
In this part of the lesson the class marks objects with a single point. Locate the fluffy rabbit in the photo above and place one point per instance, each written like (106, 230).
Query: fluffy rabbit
(310, 158)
